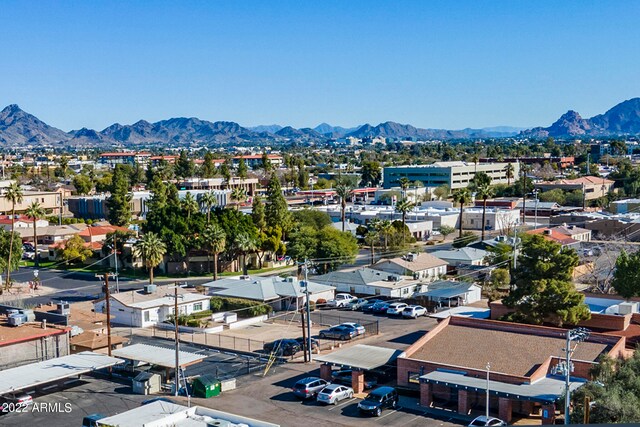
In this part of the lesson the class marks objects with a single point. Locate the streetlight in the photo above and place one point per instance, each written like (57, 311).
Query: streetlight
(311, 183)
(175, 323)
(306, 293)
(535, 194)
(577, 335)
(487, 404)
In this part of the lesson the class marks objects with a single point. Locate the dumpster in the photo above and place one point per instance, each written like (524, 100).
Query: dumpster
(206, 386)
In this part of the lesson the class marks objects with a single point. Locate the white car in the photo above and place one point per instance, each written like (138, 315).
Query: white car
(396, 308)
(360, 330)
(341, 300)
(333, 393)
(483, 421)
(414, 311)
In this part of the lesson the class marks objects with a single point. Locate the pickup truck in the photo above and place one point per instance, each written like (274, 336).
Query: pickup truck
(341, 300)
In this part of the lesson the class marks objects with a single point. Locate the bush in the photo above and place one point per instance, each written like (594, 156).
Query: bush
(312, 305)
(244, 307)
(194, 323)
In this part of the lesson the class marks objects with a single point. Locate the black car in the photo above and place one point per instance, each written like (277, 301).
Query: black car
(379, 399)
(314, 343)
(368, 307)
(284, 347)
(380, 307)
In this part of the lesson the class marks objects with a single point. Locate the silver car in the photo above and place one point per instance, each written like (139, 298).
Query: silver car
(333, 393)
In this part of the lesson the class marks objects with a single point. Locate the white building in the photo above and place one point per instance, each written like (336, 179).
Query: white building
(367, 281)
(150, 306)
(420, 266)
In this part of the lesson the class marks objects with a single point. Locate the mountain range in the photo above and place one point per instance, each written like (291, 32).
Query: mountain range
(19, 128)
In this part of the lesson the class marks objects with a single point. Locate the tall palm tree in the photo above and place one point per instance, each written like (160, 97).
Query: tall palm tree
(238, 195)
(216, 240)
(343, 191)
(484, 191)
(35, 211)
(189, 204)
(509, 172)
(404, 184)
(207, 202)
(371, 238)
(385, 228)
(404, 206)
(245, 244)
(151, 249)
(14, 195)
(462, 196)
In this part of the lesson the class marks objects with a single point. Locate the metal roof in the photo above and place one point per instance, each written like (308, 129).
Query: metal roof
(545, 390)
(448, 290)
(154, 355)
(34, 374)
(361, 356)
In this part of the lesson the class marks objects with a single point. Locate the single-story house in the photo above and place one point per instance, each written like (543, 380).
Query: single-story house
(449, 293)
(150, 306)
(462, 256)
(554, 235)
(367, 281)
(281, 293)
(420, 266)
(449, 366)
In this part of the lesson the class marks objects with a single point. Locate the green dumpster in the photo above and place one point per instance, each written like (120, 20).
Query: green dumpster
(206, 386)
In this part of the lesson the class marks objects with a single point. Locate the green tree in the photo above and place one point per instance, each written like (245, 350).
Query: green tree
(509, 170)
(543, 289)
(242, 168)
(626, 279)
(276, 210)
(82, 183)
(239, 196)
(189, 205)
(207, 201)
(404, 206)
(13, 244)
(74, 250)
(500, 281)
(371, 238)
(343, 191)
(13, 195)
(311, 218)
(152, 250)
(556, 195)
(371, 174)
(225, 171)
(208, 169)
(34, 212)
(184, 167)
(215, 240)
(265, 163)
(461, 196)
(330, 246)
(442, 192)
(119, 201)
(481, 184)
(258, 213)
(245, 244)
(385, 229)
(445, 230)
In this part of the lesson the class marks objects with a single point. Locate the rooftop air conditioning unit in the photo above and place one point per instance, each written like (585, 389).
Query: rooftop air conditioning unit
(17, 319)
(627, 307)
(63, 308)
(31, 317)
(149, 289)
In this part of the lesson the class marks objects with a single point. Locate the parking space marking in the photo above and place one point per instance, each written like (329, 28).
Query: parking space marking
(388, 413)
(342, 404)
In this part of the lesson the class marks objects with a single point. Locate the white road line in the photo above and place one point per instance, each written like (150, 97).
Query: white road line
(342, 404)
(235, 365)
(388, 413)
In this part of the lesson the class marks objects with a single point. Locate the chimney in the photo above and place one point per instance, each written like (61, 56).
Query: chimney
(44, 323)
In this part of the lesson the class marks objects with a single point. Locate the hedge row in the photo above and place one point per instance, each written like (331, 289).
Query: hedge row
(243, 307)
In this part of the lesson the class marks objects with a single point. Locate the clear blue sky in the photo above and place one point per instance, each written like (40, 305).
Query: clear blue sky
(448, 64)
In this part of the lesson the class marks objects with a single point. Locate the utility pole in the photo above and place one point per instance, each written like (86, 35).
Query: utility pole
(567, 379)
(306, 292)
(304, 337)
(487, 403)
(177, 344)
(524, 197)
(115, 253)
(107, 294)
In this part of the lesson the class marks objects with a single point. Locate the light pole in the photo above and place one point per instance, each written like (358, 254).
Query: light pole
(311, 184)
(487, 404)
(577, 335)
(535, 194)
(306, 293)
(177, 345)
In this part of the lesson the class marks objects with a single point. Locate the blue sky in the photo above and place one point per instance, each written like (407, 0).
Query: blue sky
(448, 64)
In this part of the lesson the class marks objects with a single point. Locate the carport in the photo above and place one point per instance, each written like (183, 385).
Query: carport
(447, 292)
(35, 374)
(360, 358)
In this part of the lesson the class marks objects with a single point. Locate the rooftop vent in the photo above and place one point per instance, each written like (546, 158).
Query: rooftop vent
(149, 289)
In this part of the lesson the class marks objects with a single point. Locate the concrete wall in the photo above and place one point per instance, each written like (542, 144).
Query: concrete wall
(37, 350)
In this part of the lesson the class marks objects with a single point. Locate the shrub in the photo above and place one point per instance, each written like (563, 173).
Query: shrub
(194, 323)
(243, 307)
(312, 305)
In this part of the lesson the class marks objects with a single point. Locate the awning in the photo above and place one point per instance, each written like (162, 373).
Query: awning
(159, 356)
(545, 390)
(34, 374)
(448, 292)
(361, 356)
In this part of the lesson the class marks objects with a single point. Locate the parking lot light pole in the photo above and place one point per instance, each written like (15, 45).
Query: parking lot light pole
(577, 335)
(306, 293)
(177, 345)
(487, 404)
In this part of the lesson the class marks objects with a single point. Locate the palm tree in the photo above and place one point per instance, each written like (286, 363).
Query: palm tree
(14, 195)
(216, 240)
(509, 172)
(484, 191)
(403, 207)
(151, 249)
(35, 211)
(343, 190)
(385, 228)
(371, 238)
(245, 244)
(404, 184)
(207, 202)
(239, 195)
(189, 204)
(463, 197)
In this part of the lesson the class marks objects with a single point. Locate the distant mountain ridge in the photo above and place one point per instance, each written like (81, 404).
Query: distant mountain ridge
(19, 128)
(622, 119)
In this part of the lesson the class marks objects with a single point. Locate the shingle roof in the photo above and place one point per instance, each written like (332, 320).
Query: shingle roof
(462, 254)
(423, 261)
(554, 235)
(364, 277)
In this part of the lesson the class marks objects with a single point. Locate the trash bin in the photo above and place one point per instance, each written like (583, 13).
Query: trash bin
(206, 386)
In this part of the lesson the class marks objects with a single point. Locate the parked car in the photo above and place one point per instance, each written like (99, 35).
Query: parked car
(379, 399)
(314, 343)
(337, 333)
(334, 393)
(284, 347)
(414, 311)
(341, 300)
(21, 400)
(344, 376)
(482, 420)
(368, 307)
(358, 328)
(309, 387)
(28, 255)
(396, 308)
(156, 399)
(381, 307)
(92, 420)
(357, 304)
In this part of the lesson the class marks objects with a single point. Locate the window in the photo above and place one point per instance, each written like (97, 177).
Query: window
(197, 306)
(352, 289)
(146, 316)
(377, 291)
